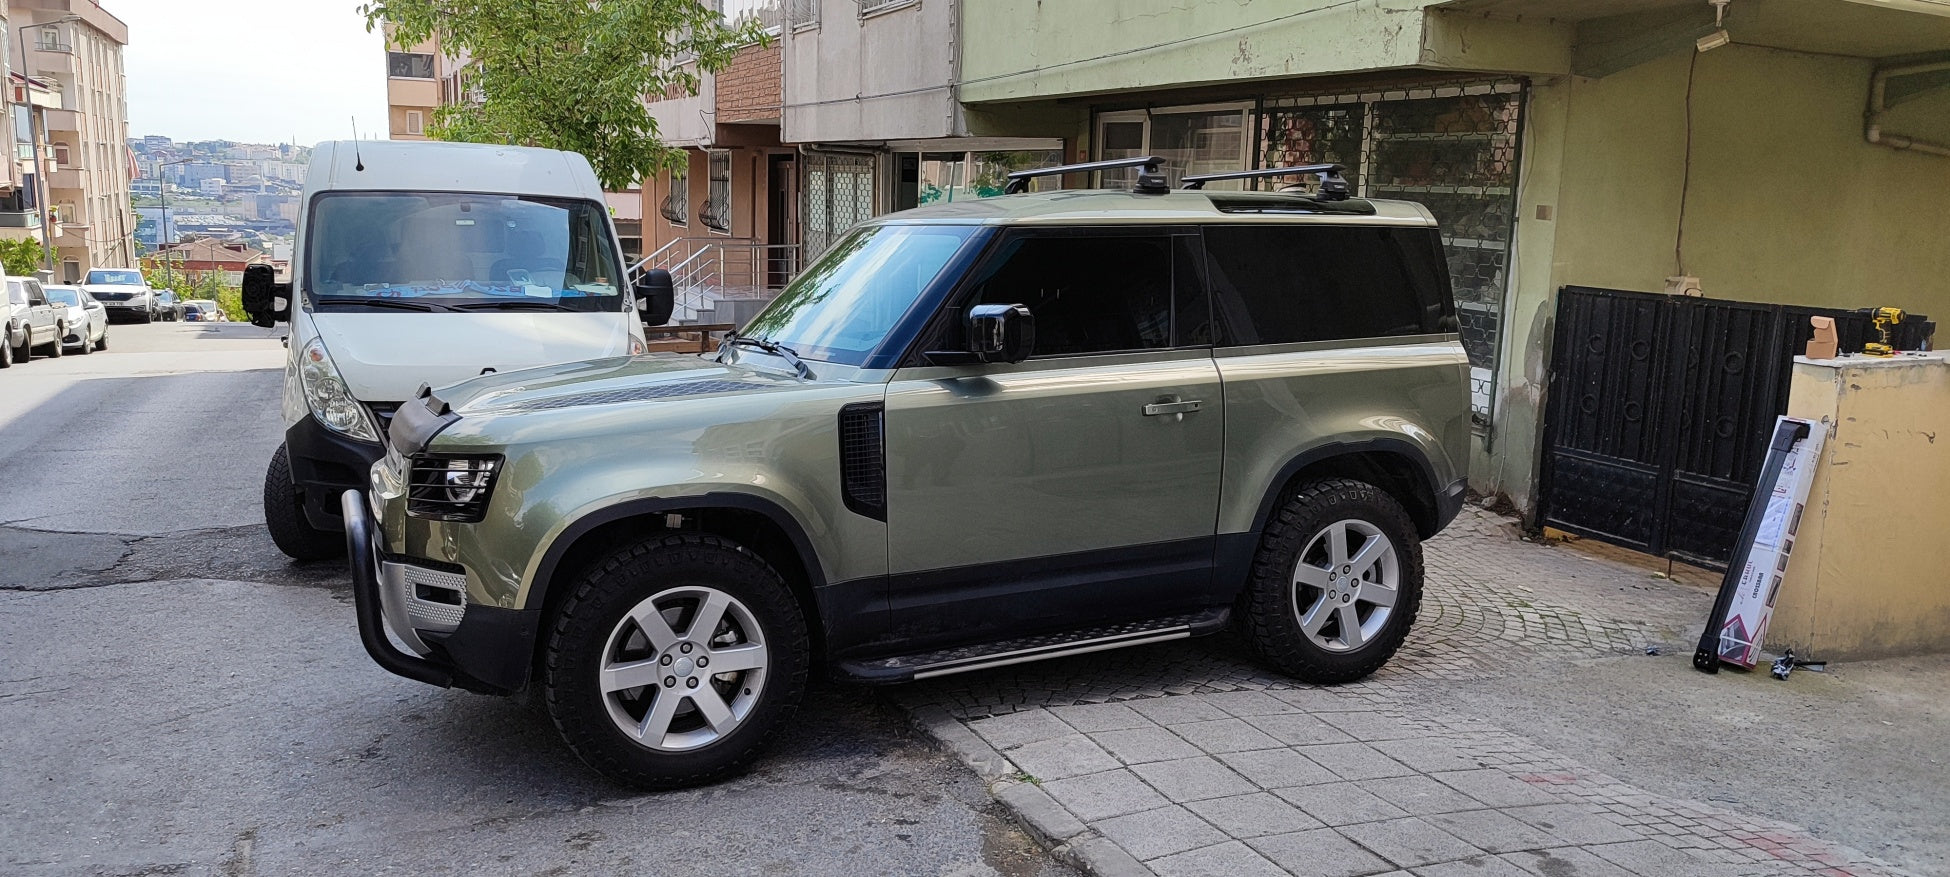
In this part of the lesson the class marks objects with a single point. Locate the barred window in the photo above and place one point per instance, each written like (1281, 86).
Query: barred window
(801, 13)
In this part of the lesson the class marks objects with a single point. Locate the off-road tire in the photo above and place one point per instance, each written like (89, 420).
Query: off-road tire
(1268, 619)
(284, 516)
(601, 596)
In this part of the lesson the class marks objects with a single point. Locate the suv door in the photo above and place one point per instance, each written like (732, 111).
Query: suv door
(1079, 486)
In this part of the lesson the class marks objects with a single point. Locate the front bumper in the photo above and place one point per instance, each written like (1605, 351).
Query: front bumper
(324, 464)
(126, 311)
(448, 642)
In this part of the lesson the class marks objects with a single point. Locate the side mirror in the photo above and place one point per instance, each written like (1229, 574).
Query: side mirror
(261, 293)
(656, 296)
(1001, 333)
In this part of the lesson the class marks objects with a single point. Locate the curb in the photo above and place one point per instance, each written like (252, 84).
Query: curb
(1061, 833)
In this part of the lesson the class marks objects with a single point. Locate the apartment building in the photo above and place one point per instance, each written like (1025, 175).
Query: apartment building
(23, 195)
(415, 76)
(75, 48)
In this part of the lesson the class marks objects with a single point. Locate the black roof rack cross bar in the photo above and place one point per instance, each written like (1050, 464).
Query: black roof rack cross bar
(1333, 186)
(1149, 180)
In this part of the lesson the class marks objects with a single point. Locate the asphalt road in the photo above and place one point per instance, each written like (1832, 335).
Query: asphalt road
(177, 698)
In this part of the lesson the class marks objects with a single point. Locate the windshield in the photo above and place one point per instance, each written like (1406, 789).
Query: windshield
(464, 251)
(842, 307)
(64, 295)
(118, 278)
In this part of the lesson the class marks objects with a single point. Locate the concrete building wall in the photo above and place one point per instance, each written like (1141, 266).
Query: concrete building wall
(885, 75)
(84, 57)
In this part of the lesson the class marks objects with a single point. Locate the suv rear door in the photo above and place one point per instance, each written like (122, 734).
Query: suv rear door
(1079, 486)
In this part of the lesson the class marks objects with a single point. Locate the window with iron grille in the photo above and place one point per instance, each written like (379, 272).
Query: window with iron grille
(838, 193)
(867, 6)
(677, 202)
(1454, 148)
(716, 213)
(801, 13)
(767, 13)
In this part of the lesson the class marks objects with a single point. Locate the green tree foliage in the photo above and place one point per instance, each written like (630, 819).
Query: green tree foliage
(21, 257)
(570, 74)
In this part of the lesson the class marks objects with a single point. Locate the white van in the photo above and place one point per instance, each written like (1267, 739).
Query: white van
(427, 263)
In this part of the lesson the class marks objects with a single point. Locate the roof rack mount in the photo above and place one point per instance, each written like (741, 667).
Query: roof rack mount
(1149, 181)
(1333, 186)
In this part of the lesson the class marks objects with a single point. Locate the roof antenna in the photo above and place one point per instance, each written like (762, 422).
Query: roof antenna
(358, 163)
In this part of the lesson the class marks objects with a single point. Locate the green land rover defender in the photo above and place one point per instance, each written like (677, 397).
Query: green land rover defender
(969, 435)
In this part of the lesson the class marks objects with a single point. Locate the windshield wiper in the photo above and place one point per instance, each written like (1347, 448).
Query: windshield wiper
(781, 351)
(513, 304)
(398, 304)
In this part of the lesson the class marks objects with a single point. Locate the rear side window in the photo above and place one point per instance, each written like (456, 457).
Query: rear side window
(1277, 284)
(17, 292)
(1097, 292)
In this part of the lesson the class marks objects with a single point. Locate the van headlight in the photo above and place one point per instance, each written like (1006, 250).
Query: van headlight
(450, 488)
(326, 396)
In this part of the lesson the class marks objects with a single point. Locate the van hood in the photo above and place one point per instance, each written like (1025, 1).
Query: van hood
(386, 357)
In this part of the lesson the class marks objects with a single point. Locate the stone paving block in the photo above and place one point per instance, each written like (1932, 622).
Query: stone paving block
(1230, 859)
(1320, 853)
(1254, 815)
(1091, 718)
(1140, 745)
(1574, 825)
(1495, 788)
(1061, 758)
(1160, 832)
(1046, 819)
(1369, 726)
(1177, 710)
(1355, 761)
(1103, 795)
(1278, 768)
(1418, 795)
(1410, 842)
(1015, 729)
(1224, 735)
(1320, 700)
(1493, 831)
(1100, 857)
(1299, 729)
(1340, 803)
(1246, 704)
(1652, 857)
(1482, 866)
(1571, 860)
(1193, 779)
(1426, 756)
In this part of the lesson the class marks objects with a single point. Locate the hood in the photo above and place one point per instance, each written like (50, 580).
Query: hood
(645, 378)
(385, 357)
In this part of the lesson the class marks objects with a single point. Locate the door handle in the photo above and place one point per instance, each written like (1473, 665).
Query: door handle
(1172, 407)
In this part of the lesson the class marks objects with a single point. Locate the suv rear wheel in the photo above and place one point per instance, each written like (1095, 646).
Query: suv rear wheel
(674, 661)
(1336, 584)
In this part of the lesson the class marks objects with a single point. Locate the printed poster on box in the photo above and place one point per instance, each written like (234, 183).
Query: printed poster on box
(1766, 559)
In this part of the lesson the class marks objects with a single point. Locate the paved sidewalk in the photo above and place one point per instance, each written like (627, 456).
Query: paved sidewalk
(1189, 759)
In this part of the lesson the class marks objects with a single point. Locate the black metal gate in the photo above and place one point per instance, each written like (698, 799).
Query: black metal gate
(1660, 409)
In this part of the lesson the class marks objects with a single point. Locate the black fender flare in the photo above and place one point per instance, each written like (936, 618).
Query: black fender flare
(1379, 445)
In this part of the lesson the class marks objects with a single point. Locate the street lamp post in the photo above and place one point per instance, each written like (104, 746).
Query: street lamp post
(34, 134)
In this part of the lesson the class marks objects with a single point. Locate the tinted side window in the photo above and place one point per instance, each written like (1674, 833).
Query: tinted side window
(1098, 293)
(1286, 283)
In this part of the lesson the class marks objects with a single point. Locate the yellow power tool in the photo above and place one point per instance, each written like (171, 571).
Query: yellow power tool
(1885, 320)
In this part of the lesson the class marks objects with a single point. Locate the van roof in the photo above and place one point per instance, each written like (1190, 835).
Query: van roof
(1116, 207)
(437, 166)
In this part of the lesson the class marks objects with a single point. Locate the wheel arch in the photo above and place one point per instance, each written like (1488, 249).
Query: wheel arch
(759, 525)
(1395, 465)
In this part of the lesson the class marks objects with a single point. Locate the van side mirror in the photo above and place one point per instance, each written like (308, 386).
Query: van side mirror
(1001, 333)
(262, 293)
(656, 296)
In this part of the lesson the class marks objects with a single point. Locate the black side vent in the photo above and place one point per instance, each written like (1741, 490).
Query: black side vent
(863, 459)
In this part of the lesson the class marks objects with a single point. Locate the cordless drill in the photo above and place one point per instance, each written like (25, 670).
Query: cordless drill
(1885, 320)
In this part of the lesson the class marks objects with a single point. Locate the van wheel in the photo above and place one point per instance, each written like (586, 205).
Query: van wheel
(6, 348)
(1336, 583)
(674, 661)
(284, 516)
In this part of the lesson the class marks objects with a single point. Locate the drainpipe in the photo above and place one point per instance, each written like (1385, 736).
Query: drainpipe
(1878, 87)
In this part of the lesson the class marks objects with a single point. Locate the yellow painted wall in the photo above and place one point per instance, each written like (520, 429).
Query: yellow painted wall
(1866, 578)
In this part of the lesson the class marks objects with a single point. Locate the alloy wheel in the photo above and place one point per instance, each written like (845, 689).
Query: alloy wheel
(1345, 584)
(683, 669)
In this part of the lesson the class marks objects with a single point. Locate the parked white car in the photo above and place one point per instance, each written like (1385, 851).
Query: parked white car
(425, 264)
(125, 293)
(87, 319)
(28, 320)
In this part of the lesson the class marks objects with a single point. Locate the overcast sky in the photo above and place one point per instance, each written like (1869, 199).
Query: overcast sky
(251, 70)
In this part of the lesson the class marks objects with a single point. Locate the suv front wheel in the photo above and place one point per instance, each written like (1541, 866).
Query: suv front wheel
(675, 660)
(1336, 583)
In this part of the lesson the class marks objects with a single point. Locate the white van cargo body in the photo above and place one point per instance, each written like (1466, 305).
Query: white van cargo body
(427, 263)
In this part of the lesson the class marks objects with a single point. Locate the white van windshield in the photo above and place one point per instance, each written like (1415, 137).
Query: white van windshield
(442, 251)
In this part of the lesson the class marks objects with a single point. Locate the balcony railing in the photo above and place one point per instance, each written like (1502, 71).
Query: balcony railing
(20, 219)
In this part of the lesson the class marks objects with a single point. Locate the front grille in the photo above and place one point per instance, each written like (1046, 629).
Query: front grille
(634, 394)
(863, 459)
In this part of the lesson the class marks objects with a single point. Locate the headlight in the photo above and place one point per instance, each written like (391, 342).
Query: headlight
(448, 488)
(327, 397)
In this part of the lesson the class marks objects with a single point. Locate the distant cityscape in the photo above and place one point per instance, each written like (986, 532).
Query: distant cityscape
(236, 193)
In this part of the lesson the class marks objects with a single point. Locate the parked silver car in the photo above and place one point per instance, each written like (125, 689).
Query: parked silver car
(29, 321)
(87, 319)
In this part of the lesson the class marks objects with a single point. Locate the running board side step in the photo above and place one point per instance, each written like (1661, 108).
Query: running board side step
(926, 665)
